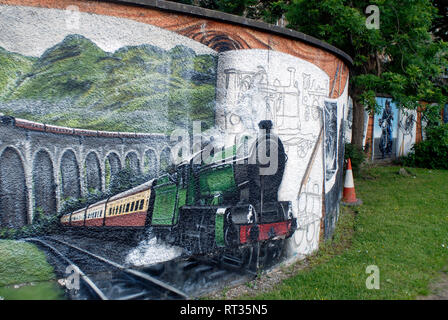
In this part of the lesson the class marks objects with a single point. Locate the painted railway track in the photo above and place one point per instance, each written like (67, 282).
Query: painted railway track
(103, 279)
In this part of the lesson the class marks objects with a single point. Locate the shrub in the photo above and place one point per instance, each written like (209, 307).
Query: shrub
(356, 155)
(43, 224)
(431, 153)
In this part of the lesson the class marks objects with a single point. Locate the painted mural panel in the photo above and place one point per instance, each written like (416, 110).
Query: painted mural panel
(385, 129)
(348, 121)
(407, 128)
(331, 138)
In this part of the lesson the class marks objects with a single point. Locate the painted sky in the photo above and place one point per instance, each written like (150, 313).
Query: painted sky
(30, 31)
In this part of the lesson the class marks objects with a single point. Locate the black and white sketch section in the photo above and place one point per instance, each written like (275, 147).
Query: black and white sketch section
(331, 138)
(348, 121)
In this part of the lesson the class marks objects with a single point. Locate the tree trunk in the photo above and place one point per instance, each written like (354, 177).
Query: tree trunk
(358, 119)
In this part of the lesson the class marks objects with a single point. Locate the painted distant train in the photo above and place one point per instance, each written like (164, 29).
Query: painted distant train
(223, 203)
(37, 126)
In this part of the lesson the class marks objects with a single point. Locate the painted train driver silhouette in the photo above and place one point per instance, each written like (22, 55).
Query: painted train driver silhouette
(385, 123)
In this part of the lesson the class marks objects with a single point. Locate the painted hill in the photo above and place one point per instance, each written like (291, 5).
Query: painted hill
(136, 88)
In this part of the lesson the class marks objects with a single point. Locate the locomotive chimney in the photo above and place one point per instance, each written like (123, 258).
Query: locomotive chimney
(266, 125)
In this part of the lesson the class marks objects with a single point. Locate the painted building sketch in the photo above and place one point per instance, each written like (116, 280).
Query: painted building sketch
(298, 93)
(385, 129)
(91, 100)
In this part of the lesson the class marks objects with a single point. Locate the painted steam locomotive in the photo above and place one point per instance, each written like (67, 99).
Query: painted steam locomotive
(222, 205)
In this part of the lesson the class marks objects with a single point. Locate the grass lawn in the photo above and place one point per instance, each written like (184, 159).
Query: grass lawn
(402, 228)
(25, 273)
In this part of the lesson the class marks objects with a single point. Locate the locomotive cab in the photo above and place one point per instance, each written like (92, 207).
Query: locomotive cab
(170, 194)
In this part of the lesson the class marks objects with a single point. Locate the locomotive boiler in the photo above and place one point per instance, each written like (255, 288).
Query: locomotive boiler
(221, 203)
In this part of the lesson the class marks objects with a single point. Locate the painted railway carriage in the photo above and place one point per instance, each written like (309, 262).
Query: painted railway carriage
(219, 201)
(125, 211)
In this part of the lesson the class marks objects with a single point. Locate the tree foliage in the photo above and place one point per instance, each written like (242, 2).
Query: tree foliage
(267, 10)
(401, 58)
(432, 152)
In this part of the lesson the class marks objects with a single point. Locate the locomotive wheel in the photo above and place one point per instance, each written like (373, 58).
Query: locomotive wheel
(270, 253)
(241, 258)
(263, 257)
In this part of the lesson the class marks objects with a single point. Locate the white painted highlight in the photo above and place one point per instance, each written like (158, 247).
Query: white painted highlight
(150, 252)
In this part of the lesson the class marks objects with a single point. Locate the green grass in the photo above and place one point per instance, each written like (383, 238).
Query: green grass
(25, 266)
(402, 228)
(48, 290)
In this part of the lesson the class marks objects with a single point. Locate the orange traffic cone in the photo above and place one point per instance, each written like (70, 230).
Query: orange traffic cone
(349, 194)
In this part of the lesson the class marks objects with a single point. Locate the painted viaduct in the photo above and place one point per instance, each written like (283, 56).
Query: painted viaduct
(39, 169)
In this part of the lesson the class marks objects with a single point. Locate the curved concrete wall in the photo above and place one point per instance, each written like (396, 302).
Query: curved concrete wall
(245, 70)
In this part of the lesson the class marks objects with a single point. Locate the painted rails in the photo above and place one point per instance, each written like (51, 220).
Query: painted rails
(107, 280)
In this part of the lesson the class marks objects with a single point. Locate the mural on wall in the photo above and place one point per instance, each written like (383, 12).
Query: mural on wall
(385, 129)
(256, 84)
(402, 127)
(331, 139)
(334, 184)
(406, 131)
(365, 143)
(86, 133)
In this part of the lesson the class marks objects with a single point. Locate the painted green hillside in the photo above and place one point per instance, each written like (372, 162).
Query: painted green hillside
(136, 88)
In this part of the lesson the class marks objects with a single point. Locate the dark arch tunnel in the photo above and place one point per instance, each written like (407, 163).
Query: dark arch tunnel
(112, 167)
(150, 165)
(13, 190)
(44, 186)
(165, 159)
(92, 172)
(70, 178)
(133, 163)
